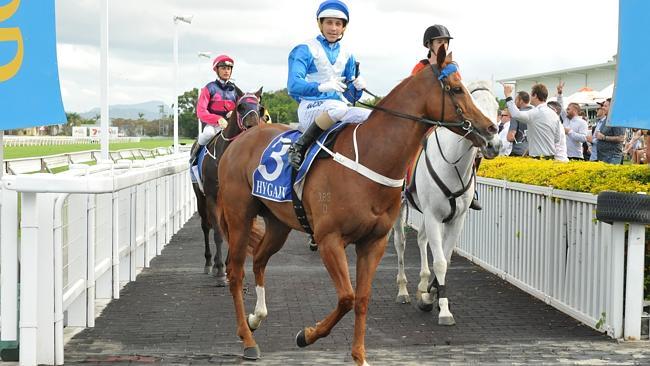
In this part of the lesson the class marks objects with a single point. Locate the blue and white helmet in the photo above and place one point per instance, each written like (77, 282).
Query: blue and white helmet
(333, 9)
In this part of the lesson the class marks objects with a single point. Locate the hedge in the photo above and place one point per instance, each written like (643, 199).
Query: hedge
(577, 176)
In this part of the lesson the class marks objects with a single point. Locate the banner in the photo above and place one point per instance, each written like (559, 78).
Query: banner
(29, 80)
(96, 131)
(629, 104)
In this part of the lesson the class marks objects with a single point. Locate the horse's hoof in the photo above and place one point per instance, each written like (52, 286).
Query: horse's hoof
(300, 339)
(446, 320)
(248, 321)
(424, 306)
(252, 353)
(313, 247)
(207, 269)
(221, 281)
(403, 299)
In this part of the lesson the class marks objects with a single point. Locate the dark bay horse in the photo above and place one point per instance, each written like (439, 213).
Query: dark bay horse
(246, 115)
(342, 205)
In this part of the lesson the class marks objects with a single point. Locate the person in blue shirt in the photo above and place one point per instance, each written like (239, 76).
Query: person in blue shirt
(324, 78)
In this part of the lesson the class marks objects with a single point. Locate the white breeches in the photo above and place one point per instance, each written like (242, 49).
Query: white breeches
(308, 110)
(209, 131)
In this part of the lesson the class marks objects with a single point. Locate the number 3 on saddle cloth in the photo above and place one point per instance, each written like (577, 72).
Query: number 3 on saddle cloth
(272, 178)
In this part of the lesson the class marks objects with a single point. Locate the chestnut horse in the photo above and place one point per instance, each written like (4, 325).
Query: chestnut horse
(342, 205)
(246, 115)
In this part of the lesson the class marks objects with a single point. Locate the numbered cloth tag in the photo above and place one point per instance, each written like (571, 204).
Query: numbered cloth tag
(272, 178)
(29, 78)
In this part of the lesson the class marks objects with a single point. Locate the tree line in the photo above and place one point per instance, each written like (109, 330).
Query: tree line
(281, 107)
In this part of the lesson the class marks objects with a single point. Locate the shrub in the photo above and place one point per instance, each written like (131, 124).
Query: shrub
(577, 176)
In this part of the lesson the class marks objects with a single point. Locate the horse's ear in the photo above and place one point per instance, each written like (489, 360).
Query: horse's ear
(449, 59)
(441, 56)
(258, 93)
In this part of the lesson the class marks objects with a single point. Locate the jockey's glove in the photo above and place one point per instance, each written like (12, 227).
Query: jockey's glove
(334, 85)
(359, 83)
(222, 122)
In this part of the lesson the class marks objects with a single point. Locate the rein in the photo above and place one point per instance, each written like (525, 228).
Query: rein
(442, 154)
(240, 119)
(463, 123)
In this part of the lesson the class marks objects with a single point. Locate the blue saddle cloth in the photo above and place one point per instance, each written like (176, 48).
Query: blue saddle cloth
(199, 164)
(272, 178)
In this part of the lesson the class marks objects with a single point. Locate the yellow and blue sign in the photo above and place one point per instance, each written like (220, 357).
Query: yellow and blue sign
(629, 104)
(29, 79)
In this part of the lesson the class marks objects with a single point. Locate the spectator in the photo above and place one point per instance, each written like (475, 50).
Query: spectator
(601, 116)
(576, 130)
(647, 146)
(560, 146)
(543, 124)
(517, 133)
(563, 116)
(504, 127)
(635, 148)
(610, 139)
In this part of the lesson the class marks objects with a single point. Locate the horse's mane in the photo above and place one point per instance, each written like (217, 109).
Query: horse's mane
(397, 88)
(486, 103)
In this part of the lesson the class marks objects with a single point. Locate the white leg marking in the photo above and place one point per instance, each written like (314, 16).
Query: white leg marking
(260, 314)
(399, 241)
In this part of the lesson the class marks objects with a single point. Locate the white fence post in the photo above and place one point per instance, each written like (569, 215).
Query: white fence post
(9, 264)
(29, 280)
(90, 262)
(116, 245)
(616, 274)
(634, 281)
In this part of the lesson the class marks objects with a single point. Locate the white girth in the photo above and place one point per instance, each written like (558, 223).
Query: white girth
(358, 167)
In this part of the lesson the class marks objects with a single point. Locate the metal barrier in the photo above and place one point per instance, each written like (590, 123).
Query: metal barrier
(549, 243)
(51, 162)
(11, 140)
(84, 234)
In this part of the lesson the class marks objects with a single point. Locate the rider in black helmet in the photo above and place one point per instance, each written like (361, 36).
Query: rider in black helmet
(435, 36)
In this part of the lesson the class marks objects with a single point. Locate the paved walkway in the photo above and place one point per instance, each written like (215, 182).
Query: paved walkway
(173, 314)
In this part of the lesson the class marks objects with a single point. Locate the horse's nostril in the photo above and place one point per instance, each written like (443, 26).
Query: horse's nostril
(492, 129)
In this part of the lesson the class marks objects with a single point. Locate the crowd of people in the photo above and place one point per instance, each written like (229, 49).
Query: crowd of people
(531, 126)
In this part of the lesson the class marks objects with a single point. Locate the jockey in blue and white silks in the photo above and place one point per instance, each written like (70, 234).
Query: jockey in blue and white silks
(323, 78)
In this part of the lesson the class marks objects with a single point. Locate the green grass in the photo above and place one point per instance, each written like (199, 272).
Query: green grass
(16, 152)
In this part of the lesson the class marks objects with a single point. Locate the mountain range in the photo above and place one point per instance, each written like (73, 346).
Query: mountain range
(151, 111)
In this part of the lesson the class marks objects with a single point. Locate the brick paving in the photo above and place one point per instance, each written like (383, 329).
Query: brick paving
(173, 314)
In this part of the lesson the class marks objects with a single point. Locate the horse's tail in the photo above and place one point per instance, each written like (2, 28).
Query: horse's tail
(255, 237)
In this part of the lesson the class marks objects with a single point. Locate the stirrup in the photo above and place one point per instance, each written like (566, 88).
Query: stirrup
(475, 205)
(295, 157)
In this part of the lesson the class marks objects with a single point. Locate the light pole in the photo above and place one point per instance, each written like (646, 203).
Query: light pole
(205, 55)
(187, 19)
(103, 71)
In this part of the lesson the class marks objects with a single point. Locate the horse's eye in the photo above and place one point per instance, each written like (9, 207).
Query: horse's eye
(457, 90)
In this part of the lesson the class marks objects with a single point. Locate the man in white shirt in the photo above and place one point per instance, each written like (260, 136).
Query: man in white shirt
(576, 130)
(504, 127)
(543, 124)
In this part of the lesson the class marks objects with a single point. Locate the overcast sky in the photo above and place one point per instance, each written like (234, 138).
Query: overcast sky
(492, 39)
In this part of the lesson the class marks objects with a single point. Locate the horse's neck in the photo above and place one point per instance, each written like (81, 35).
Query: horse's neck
(452, 148)
(387, 143)
(233, 126)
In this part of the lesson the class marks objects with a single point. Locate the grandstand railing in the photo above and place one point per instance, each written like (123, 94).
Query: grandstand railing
(79, 237)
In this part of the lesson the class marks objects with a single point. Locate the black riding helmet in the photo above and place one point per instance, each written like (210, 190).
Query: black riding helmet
(435, 32)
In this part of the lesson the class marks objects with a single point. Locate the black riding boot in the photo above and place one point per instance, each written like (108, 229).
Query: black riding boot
(298, 149)
(194, 153)
(475, 205)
